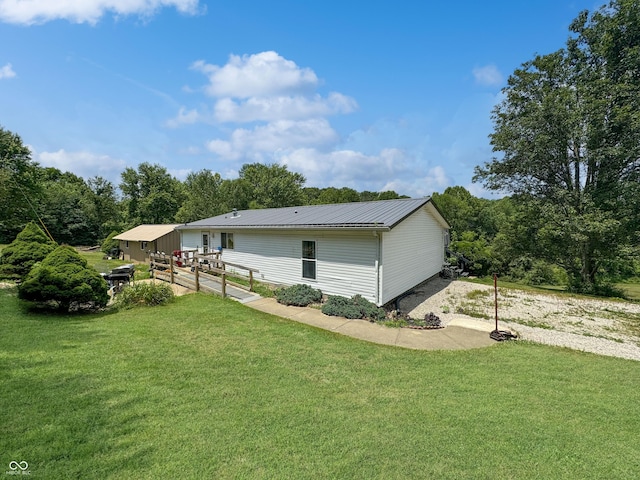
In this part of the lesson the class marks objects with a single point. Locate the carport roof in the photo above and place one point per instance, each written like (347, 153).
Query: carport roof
(146, 233)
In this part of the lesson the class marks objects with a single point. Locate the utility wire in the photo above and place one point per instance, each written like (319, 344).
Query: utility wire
(34, 211)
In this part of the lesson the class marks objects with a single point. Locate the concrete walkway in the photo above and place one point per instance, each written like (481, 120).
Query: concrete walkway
(457, 335)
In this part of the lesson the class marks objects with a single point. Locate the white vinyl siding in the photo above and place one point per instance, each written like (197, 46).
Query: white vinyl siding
(193, 240)
(345, 262)
(412, 252)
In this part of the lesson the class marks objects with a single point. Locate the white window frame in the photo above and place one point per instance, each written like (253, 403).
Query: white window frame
(205, 247)
(310, 261)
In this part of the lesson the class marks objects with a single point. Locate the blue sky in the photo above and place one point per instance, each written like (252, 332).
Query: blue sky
(371, 95)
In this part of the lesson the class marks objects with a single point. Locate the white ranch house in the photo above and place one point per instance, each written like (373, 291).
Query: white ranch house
(377, 249)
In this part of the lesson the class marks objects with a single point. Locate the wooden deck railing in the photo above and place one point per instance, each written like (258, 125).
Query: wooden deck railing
(205, 266)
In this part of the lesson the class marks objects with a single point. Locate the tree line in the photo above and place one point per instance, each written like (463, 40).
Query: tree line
(76, 211)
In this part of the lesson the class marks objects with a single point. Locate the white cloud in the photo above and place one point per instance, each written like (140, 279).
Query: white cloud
(436, 180)
(184, 117)
(489, 75)
(282, 107)
(264, 141)
(258, 75)
(29, 12)
(82, 163)
(7, 72)
(350, 168)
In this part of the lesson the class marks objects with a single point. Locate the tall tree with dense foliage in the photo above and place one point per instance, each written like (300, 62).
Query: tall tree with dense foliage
(29, 247)
(569, 133)
(204, 197)
(62, 281)
(67, 208)
(150, 194)
(272, 186)
(104, 206)
(18, 185)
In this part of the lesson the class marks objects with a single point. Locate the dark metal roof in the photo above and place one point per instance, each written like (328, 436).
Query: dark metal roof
(378, 215)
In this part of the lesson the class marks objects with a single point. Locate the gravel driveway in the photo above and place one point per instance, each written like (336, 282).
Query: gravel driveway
(605, 327)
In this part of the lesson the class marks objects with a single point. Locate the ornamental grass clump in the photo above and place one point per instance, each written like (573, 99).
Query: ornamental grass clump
(298, 295)
(356, 307)
(144, 294)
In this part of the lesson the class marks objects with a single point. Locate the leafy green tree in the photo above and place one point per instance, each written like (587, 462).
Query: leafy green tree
(104, 206)
(236, 194)
(390, 195)
(337, 195)
(30, 246)
(67, 208)
(204, 197)
(18, 185)
(150, 194)
(568, 130)
(272, 186)
(63, 281)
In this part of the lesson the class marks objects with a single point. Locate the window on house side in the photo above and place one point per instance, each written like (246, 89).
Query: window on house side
(226, 239)
(309, 259)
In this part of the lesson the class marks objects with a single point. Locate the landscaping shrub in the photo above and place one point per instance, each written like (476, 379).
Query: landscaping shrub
(298, 295)
(63, 281)
(356, 307)
(144, 293)
(30, 246)
(110, 246)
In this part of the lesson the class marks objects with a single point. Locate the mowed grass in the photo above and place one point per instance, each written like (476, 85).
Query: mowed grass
(631, 290)
(208, 388)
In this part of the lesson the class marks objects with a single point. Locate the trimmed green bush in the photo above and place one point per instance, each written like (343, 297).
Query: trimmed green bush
(110, 245)
(144, 293)
(30, 246)
(298, 295)
(63, 281)
(356, 307)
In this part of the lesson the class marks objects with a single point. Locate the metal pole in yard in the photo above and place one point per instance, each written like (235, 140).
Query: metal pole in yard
(171, 268)
(197, 270)
(495, 288)
(224, 285)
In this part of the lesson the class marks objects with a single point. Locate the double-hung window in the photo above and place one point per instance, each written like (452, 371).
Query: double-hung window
(309, 259)
(226, 239)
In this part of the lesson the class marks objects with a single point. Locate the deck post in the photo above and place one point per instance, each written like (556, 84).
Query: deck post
(171, 268)
(224, 285)
(251, 280)
(197, 270)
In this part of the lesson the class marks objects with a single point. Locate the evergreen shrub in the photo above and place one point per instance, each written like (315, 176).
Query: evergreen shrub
(356, 307)
(29, 247)
(110, 245)
(64, 281)
(298, 295)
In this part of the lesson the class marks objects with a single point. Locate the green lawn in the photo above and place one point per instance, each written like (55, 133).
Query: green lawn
(632, 290)
(208, 388)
